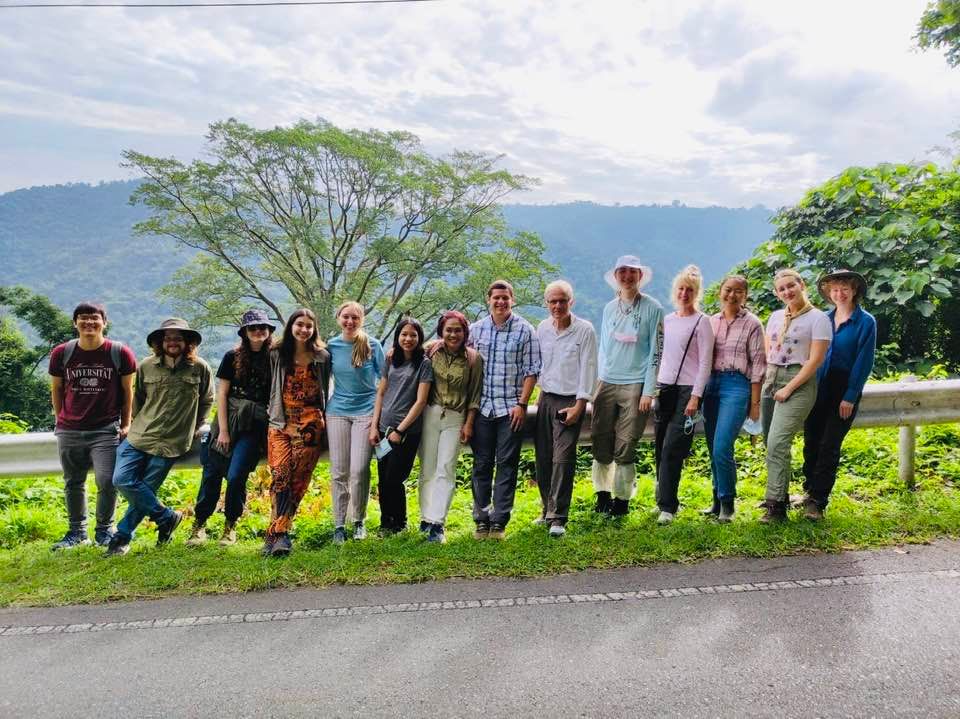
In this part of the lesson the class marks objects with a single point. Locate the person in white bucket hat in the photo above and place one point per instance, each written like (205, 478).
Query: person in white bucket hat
(631, 340)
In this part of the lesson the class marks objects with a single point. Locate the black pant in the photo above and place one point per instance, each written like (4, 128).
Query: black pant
(823, 434)
(392, 471)
(556, 447)
(671, 443)
(494, 443)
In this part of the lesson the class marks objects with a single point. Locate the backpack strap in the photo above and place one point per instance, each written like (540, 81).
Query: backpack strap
(68, 350)
(116, 348)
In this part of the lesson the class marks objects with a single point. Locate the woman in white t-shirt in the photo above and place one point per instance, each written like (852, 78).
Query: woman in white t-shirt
(797, 339)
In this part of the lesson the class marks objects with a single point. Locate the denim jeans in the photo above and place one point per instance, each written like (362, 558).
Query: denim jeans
(237, 467)
(494, 444)
(726, 403)
(138, 476)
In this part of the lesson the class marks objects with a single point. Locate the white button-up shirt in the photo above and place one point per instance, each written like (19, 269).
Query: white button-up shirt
(568, 358)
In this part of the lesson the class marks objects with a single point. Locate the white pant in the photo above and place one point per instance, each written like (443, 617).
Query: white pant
(618, 479)
(439, 450)
(350, 451)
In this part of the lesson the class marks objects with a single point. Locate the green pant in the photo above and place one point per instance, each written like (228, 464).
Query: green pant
(781, 422)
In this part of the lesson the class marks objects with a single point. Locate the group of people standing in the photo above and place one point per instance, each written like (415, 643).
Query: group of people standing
(471, 384)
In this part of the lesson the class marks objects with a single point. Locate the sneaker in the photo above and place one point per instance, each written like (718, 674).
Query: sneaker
(539, 522)
(71, 540)
(359, 531)
(482, 531)
(281, 546)
(102, 537)
(198, 535)
(425, 526)
(774, 512)
(437, 534)
(229, 536)
(166, 529)
(812, 510)
(339, 535)
(386, 531)
(726, 512)
(118, 546)
(602, 505)
(666, 518)
(619, 507)
(497, 531)
(557, 530)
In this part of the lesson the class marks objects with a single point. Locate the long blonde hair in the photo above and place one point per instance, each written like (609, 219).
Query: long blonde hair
(361, 343)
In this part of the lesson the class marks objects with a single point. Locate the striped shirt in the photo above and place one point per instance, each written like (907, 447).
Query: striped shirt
(738, 345)
(510, 353)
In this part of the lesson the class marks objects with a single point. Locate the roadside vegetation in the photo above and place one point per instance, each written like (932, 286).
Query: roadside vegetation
(870, 508)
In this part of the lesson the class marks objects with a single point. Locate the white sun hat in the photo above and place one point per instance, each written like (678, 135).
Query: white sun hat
(632, 261)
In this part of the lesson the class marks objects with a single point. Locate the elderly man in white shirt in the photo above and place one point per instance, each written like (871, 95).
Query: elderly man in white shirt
(568, 377)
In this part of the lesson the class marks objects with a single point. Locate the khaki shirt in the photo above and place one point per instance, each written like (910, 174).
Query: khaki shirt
(455, 385)
(168, 405)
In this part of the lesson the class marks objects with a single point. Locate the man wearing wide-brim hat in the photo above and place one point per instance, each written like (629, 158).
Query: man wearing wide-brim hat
(173, 396)
(840, 381)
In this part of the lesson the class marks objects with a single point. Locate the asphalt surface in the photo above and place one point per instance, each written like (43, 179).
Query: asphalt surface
(850, 635)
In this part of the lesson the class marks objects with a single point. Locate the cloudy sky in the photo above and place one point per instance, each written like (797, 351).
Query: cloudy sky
(709, 102)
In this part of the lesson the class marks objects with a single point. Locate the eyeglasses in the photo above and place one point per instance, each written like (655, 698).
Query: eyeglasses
(690, 423)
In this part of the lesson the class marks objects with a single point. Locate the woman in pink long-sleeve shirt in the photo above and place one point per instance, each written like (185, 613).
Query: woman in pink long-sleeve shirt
(684, 370)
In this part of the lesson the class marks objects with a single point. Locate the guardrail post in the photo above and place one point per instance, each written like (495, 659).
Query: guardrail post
(907, 448)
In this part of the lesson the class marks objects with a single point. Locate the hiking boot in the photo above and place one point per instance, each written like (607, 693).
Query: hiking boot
(267, 549)
(540, 521)
(118, 546)
(497, 531)
(166, 529)
(619, 507)
(812, 510)
(774, 512)
(603, 503)
(713, 510)
(425, 526)
(359, 531)
(798, 501)
(102, 537)
(339, 535)
(229, 536)
(726, 511)
(437, 534)
(281, 546)
(198, 535)
(482, 531)
(71, 540)
(557, 530)
(666, 518)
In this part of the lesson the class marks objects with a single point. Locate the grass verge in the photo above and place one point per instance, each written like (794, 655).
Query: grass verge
(869, 509)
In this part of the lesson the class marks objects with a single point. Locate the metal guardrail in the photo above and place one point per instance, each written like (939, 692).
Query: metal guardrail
(906, 404)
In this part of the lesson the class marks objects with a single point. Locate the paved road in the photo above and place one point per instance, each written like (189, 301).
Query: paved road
(850, 635)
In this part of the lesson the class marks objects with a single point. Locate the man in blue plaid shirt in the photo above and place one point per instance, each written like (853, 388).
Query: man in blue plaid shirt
(511, 363)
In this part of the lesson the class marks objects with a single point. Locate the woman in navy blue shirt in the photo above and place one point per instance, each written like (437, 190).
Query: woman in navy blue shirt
(840, 382)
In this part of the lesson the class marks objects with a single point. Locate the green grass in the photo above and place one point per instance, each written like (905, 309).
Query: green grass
(869, 509)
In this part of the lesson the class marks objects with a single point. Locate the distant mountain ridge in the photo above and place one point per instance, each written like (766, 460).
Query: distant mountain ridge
(74, 242)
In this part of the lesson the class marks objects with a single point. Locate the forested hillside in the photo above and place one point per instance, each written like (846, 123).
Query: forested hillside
(72, 242)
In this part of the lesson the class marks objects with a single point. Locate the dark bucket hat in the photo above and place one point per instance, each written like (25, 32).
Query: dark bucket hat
(174, 323)
(859, 281)
(255, 317)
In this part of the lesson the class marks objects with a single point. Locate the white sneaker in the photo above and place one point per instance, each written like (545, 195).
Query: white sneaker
(359, 531)
(665, 518)
(557, 530)
(539, 521)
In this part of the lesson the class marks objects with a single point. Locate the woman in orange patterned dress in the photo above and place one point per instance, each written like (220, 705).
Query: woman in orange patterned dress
(300, 367)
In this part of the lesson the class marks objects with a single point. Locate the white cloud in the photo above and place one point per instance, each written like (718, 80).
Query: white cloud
(727, 102)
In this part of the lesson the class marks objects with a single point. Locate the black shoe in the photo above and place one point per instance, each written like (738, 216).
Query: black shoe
(281, 546)
(482, 531)
(103, 536)
(71, 540)
(726, 511)
(118, 546)
(619, 507)
(166, 529)
(437, 534)
(497, 531)
(603, 503)
(425, 526)
(714, 508)
(267, 549)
